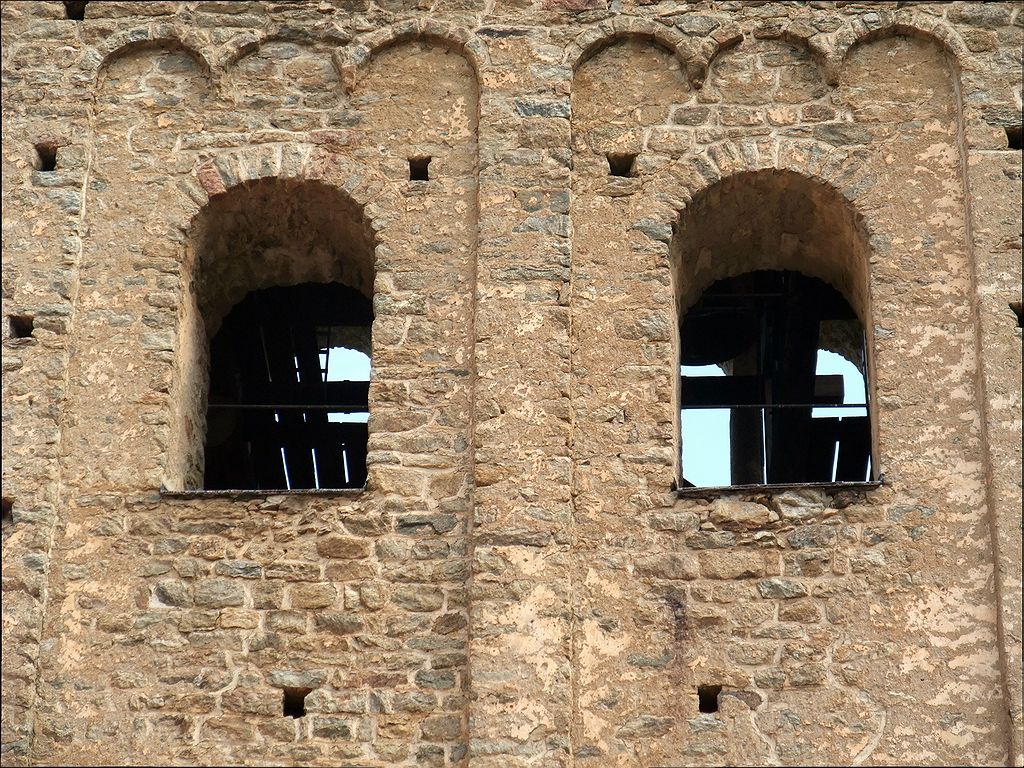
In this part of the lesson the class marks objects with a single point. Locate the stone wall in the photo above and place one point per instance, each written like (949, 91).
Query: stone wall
(519, 583)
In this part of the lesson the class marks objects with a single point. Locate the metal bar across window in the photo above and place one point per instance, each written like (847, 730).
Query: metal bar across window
(293, 406)
(725, 406)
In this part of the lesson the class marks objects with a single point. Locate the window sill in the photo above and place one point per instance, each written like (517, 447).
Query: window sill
(240, 495)
(721, 490)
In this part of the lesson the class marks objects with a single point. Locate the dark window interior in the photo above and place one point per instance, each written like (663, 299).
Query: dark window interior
(283, 414)
(763, 335)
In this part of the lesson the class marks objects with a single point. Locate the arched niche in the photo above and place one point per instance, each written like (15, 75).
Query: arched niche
(772, 73)
(153, 74)
(899, 78)
(419, 99)
(618, 94)
(284, 78)
(147, 95)
(260, 234)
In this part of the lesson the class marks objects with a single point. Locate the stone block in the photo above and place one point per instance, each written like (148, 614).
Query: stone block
(668, 566)
(740, 515)
(343, 547)
(218, 593)
(785, 589)
(313, 595)
(723, 564)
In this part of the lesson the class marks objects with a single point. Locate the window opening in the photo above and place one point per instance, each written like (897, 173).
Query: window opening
(772, 381)
(289, 391)
(707, 698)
(622, 163)
(1013, 137)
(294, 701)
(1018, 309)
(46, 157)
(419, 168)
(21, 326)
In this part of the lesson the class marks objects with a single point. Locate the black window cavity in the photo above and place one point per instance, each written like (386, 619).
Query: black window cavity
(773, 378)
(289, 384)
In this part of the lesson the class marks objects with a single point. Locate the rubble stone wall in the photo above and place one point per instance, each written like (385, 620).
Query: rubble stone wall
(520, 583)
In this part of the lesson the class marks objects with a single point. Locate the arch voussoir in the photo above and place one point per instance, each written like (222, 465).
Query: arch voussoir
(217, 175)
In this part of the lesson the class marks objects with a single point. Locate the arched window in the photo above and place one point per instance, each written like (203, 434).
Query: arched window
(771, 278)
(772, 388)
(289, 384)
(273, 353)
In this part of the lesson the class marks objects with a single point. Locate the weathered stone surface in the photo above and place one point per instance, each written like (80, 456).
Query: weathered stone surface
(518, 583)
(218, 593)
(781, 588)
(343, 547)
(812, 536)
(644, 726)
(671, 566)
(722, 564)
(313, 595)
(313, 678)
(339, 623)
(740, 514)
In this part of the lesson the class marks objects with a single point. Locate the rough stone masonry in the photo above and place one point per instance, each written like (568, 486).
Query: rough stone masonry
(519, 584)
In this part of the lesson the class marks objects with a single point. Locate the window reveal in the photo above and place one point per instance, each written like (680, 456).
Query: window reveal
(289, 387)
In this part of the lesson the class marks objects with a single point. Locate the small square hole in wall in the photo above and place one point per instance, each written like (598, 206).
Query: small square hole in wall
(1013, 137)
(46, 157)
(74, 10)
(419, 169)
(8, 511)
(1018, 310)
(622, 164)
(707, 698)
(295, 701)
(21, 326)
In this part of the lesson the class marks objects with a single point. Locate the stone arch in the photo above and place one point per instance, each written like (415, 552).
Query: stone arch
(820, 196)
(352, 62)
(669, 192)
(368, 189)
(773, 68)
(300, 66)
(148, 92)
(230, 204)
(914, 77)
(904, 22)
(591, 42)
(800, 34)
(694, 54)
(673, 188)
(247, 42)
(412, 119)
(650, 77)
(773, 220)
(154, 36)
